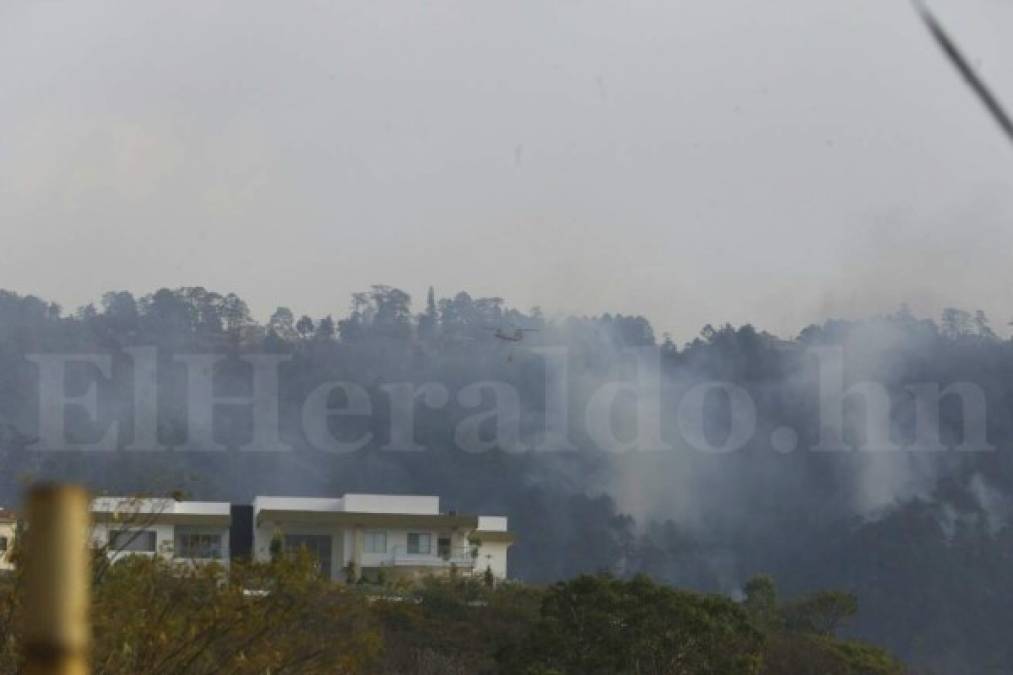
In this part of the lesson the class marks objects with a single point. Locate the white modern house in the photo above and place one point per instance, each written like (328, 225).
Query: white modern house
(353, 536)
(176, 530)
(371, 534)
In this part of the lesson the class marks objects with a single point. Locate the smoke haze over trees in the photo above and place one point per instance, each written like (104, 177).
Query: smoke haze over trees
(923, 539)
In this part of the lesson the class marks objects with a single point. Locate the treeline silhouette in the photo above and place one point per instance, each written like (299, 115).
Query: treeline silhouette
(923, 539)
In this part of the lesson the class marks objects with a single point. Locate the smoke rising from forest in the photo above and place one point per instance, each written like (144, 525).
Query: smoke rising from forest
(707, 518)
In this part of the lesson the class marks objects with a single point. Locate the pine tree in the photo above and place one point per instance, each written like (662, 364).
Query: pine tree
(428, 320)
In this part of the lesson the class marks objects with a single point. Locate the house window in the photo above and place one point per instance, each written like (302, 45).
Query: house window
(134, 541)
(3, 544)
(317, 545)
(420, 543)
(198, 545)
(376, 542)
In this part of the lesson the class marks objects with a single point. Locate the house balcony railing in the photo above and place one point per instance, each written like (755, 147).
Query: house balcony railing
(461, 559)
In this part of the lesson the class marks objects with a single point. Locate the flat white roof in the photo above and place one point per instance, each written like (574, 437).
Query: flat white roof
(414, 504)
(350, 503)
(158, 505)
(492, 523)
(370, 503)
(353, 503)
(298, 504)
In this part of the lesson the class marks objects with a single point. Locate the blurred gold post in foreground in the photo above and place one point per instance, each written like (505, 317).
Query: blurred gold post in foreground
(57, 581)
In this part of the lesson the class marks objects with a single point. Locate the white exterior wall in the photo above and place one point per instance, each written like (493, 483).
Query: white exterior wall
(400, 504)
(143, 514)
(352, 503)
(343, 537)
(343, 547)
(130, 506)
(297, 504)
(343, 544)
(492, 554)
(492, 523)
(165, 538)
(397, 547)
(7, 530)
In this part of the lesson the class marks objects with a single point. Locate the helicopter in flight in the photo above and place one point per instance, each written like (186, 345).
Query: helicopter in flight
(516, 335)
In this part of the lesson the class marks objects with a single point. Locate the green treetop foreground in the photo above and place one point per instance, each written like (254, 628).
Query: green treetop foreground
(150, 616)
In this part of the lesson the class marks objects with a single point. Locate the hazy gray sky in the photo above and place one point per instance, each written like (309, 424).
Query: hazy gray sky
(708, 161)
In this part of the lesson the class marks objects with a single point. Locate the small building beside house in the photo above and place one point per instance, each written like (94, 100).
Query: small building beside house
(8, 530)
(175, 530)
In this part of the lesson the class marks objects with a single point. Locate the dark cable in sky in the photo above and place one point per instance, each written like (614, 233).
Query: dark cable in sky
(962, 65)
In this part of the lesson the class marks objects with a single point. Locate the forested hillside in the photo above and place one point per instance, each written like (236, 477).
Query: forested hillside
(923, 539)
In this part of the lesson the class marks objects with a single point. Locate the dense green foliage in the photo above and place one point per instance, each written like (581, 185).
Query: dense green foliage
(151, 616)
(601, 625)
